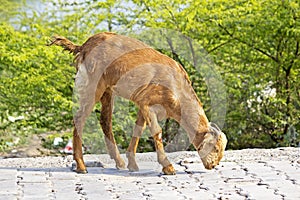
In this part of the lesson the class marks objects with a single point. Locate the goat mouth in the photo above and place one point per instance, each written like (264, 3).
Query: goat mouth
(209, 166)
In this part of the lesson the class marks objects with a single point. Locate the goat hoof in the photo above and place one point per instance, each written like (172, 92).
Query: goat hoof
(81, 171)
(133, 167)
(169, 170)
(120, 164)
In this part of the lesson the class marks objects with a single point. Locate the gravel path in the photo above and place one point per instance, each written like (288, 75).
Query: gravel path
(243, 174)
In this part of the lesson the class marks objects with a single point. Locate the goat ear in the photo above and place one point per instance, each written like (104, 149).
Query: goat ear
(214, 128)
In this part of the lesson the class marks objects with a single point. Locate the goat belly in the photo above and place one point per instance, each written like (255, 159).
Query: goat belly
(134, 80)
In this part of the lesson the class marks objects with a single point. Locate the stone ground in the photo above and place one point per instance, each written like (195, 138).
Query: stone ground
(244, 174)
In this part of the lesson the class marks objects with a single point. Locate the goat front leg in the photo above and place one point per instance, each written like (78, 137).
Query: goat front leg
(106, 124)
(137, 133)
(156, 132)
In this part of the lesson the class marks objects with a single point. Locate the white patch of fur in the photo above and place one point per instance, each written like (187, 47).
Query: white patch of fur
(81, 78)
(160, 136)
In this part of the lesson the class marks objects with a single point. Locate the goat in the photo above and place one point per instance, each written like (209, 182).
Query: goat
(109, 64)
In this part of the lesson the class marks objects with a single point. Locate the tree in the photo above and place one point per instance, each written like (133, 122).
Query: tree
(254, 46)
(36, 83)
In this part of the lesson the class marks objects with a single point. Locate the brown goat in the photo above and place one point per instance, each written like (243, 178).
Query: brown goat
(109, 64)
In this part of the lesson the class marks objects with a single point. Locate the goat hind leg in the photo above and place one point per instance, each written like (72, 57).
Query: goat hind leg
(131, 151)
(77, 153)
(106, 124)
(79, 120)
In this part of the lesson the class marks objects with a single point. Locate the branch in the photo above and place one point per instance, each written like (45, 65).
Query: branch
(218, 46)
(287, 70)
(146, 6)
(173, 51)
(172, 16)
(261, 51)
(225, 29)
(246, 43)
(192, 50)
(278, 48)
(297, 53)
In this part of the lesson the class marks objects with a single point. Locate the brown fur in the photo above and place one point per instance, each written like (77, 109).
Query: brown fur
(108, 64)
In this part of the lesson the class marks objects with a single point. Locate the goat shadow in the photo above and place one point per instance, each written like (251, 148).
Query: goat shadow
(97, 168)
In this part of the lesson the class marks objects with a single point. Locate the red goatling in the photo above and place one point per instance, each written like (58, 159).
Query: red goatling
(109, 64)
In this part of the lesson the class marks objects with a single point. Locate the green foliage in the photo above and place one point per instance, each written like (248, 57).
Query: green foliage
(9, 9)
(254, 46)
(36, 84)
(33, 78)
(48, 142)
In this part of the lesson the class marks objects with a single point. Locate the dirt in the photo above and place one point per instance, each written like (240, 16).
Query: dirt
(33, 148)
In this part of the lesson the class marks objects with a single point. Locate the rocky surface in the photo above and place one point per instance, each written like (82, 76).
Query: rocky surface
(243, 174)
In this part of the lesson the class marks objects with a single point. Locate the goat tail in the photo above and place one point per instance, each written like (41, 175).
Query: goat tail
(65, 43)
